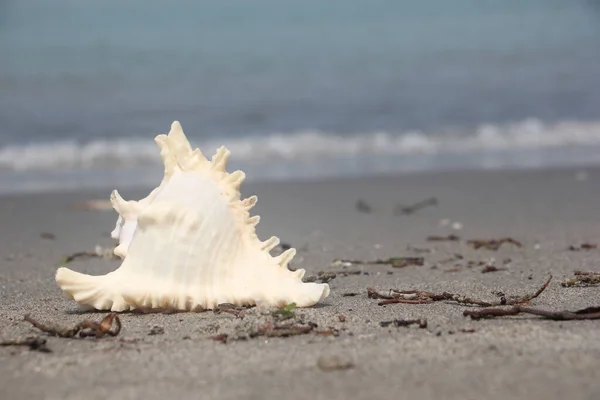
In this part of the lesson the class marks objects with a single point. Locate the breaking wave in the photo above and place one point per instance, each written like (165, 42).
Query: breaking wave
(305, 145)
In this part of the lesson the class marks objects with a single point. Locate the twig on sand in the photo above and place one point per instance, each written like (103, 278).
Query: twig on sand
(583, 273)
(270, 330)
(422, 297)
(47, 235)
(277, 329)
(586, 313)
(405, 322)
(448, 238)
(456, 268)
(583, 278)
(395, 262)
(432, 201)
(79, 254)
(418, 249)
(232, 309)
(584, 246)
(455, 257)
(401, 262)
(283, 330)
(34, 343)
(84, 328)
(222, 337)
(492, 244)
(492, 268)
(99, 252)
(321, 277)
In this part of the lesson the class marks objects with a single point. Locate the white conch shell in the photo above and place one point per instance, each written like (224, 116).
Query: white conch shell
(191, 245)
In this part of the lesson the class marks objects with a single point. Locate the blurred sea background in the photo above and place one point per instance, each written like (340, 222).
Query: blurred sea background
(295, 88)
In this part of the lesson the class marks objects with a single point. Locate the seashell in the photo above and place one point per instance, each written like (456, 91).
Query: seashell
(191, 244)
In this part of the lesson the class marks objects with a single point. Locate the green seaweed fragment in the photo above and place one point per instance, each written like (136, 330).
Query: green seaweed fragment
(285, 312)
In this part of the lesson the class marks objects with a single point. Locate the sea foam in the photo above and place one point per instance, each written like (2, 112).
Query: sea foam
(305, 145)
(306, 154)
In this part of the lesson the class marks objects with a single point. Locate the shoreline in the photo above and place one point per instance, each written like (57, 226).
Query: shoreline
(453, 357)
(26, 182)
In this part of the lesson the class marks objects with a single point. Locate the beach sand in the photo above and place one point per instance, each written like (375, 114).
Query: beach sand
(454, 357)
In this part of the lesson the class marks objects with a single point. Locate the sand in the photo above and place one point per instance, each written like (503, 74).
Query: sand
(454, 357)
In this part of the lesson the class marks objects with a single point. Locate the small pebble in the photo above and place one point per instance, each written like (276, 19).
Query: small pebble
(457, 226)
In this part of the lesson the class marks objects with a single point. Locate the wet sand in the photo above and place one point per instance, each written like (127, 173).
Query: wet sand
(454, 357)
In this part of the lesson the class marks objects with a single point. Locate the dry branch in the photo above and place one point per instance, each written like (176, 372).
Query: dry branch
(34, 343)
(492, 244)
(449, 238)
(422, 323)
(432, 201)
(395, 262)
(83, 329)
(422, 297)
(99, 252)
(586, 313)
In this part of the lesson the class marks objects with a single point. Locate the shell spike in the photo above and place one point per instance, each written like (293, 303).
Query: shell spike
(176, 128)
(168, 157)
(180, 146)
(253, 221)
(123, 207)
(249, 202)
(178, 139)
(95, 291)
(196, 160)
(284, 258)
(299, 273)
(236, 178)
(270, 243)
(233, 196)
(219, 160)
(176, 151)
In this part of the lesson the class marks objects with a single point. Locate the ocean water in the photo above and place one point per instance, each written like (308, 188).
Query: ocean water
(297, 88)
